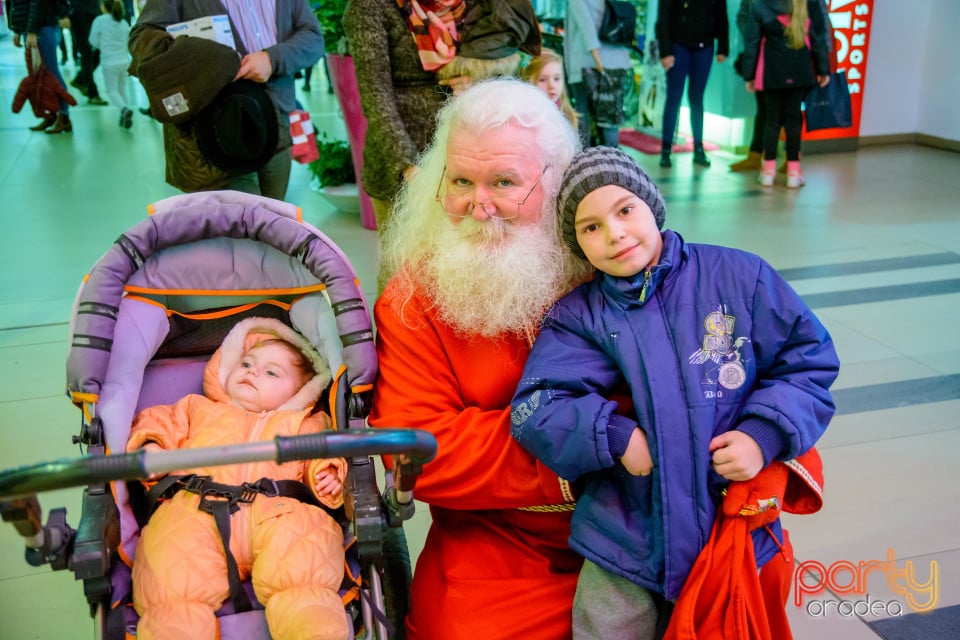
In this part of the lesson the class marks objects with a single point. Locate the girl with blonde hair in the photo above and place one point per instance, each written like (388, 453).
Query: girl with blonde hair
(546, 71)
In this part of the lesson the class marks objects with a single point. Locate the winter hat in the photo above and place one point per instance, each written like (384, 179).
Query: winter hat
(250, 331)
(597, 167)
(182, 76)
(238, 132)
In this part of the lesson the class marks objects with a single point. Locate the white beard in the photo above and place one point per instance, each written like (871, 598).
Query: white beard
(493, 278)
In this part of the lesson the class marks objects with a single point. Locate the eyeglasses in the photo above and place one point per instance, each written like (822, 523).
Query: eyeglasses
(505, 207)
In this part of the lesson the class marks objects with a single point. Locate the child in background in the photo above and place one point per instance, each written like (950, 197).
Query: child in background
(693, 366)
(109, 33)
(261, 383)
(546, 71)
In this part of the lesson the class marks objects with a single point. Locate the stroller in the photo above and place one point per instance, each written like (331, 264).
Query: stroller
(146, 320)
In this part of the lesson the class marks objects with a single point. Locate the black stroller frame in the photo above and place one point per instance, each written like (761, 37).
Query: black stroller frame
(218, 222)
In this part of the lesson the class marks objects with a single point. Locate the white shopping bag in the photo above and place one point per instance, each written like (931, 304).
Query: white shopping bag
(653, 91)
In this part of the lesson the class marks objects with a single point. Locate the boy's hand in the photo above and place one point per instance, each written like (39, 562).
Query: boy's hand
(636, 459)
(326, 482)
(736, 456)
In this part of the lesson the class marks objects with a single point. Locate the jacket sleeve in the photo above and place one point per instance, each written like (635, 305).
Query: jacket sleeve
(167, 424)
(796, 365)
(723, 29)
(589, 30)
(751, 29)
(370, 47)
(662, 28)
(153, 16)
(96, 30)
(22, 92)
(820, 44)
(561, 413)
(301, 46)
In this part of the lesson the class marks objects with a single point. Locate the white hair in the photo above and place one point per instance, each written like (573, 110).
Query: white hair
(418, 227)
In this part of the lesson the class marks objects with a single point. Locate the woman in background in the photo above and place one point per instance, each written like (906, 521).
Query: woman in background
(109, 34)
(546, 71)
(399, 91)
(596, 73)
(688, 32)
(786, 51)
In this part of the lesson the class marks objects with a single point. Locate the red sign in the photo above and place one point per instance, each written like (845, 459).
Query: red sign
(851, 41)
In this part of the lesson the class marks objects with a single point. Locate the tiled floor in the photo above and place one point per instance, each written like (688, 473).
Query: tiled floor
(872, 241)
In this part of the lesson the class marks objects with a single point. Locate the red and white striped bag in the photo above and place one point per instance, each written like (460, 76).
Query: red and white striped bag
(304, 147)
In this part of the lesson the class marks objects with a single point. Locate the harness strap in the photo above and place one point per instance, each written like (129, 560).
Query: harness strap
(221, 511)
(222, 501)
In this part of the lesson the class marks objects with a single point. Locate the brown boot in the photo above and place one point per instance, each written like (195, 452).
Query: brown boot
(46, 123)
(62, 124)
(752, 162)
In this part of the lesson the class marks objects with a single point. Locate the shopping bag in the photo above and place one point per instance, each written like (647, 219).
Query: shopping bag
(829, 107)
(653, 89)
(304, 149)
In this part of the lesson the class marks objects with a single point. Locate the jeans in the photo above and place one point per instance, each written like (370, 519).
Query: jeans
(48, 41)
(695, 64)
(270, 180)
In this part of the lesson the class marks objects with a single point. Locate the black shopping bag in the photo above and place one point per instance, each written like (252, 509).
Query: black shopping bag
(829, 107)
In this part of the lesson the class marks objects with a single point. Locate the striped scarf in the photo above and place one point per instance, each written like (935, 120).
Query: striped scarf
(433, 24)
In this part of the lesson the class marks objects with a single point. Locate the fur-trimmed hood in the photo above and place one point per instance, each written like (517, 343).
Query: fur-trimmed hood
(241, 338)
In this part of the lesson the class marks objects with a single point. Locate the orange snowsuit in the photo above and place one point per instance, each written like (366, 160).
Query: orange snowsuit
(292, 550)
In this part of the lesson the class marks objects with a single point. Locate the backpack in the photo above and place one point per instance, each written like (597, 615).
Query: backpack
(618, 25)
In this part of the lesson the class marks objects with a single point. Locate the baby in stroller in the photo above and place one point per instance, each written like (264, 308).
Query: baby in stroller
(262, 382)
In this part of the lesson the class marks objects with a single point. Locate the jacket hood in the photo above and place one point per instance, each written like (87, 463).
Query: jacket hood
(249, 332)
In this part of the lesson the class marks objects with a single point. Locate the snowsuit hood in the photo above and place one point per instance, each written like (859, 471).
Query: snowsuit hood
(244, 335)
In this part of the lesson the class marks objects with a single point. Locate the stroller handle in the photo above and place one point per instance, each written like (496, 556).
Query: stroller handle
(60, 474)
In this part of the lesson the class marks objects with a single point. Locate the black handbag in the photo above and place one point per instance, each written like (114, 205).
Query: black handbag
(829, 107)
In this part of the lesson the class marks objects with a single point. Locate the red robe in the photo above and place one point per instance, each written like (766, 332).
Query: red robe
(488, 569)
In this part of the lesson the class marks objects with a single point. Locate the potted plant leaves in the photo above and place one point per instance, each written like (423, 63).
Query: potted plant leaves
(333, 174)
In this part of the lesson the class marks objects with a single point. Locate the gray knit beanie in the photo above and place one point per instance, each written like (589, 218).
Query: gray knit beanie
(597, 167)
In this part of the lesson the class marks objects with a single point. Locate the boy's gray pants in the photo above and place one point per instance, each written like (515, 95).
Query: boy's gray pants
(607, 606)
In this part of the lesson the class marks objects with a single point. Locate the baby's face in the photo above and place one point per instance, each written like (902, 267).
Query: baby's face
(264, 379)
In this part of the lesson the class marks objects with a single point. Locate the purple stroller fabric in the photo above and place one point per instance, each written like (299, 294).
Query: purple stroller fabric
(197, 252)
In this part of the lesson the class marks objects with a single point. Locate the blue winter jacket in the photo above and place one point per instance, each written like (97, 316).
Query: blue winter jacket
(711, 339)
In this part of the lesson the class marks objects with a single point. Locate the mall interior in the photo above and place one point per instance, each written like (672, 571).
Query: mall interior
(871, 243)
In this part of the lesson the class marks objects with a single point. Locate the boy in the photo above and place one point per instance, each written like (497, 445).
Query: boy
(263, 382)
(718, 368)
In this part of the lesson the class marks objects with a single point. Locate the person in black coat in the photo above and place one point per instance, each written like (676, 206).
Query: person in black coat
(688, 32)
(786, 50)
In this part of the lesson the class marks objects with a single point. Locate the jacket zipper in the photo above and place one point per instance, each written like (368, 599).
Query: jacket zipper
(643, 289)
(253, 437)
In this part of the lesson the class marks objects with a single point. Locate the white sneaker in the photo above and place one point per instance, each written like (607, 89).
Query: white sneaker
(766, 179)
(795, 180)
